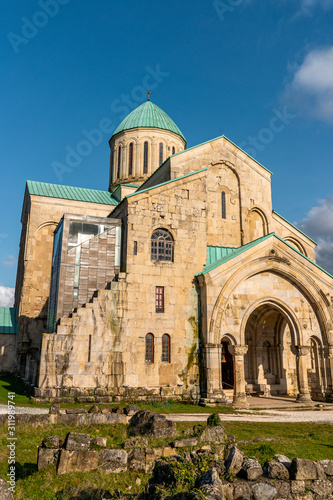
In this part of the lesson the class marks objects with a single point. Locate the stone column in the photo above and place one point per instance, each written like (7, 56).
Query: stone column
(303, 395)
(329, 392)
(214, 391)
(239, 351)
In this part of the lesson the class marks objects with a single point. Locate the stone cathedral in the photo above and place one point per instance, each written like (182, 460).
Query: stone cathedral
(178, 281)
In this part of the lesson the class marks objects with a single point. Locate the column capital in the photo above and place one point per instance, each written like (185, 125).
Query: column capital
(300, 350)
(330, 352)
(238, 350)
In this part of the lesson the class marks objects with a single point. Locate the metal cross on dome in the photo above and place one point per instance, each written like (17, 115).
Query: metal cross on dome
(149, 94)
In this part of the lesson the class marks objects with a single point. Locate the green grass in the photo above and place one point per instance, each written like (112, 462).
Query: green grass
(12, 384)
(313, 441)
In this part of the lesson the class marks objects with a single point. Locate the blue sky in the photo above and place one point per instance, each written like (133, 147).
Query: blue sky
(260, 73)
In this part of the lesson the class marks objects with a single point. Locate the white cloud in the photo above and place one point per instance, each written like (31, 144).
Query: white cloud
(318, 224)
(6, 296)
(311, 89)
(308, 6)
(10, 261)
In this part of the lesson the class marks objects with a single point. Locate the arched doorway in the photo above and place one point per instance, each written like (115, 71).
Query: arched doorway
(270, 363)
(227, 365)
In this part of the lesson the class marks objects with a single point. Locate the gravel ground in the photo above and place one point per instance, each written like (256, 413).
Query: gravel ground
(319, 416)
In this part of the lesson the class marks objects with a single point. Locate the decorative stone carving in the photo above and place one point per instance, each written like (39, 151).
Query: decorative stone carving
(238, 350)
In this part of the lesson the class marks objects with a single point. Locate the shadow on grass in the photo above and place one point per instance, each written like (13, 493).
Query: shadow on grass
(13, 384)
(25, 470)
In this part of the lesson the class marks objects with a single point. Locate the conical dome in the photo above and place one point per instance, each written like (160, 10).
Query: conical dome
(151, 116)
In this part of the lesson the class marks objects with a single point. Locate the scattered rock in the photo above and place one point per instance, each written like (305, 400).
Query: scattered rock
(99, 441)
(297, 488)
(93, 409)
(302, 468)
(137, 460)
(327, 466)
(76, 441)
(77, 461)
(113, 461)
(46, 456)
(263, 491)
(210, 484)
(234, 461)
(118, 409)
(131, 410)
(323, 488)
(184, 443)
(276, 470)
(283, 460)
(136, 442)
(106, 410)
(213, 435)
(242, 491)
(251, 470)
(138, 481)
(5, 493)
(152, 424)
(54, 409)
(51, 442)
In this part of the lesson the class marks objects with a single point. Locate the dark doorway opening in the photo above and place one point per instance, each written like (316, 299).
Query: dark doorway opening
(227, 366)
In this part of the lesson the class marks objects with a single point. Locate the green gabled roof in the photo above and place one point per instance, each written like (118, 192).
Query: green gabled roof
(70, 193)
(8, 322)
(151, 116)
(217, 253)
(240, 250)
(233, 253)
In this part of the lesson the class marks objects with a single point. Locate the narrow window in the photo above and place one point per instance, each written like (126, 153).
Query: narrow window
(159, 299)
(135, 248)
(224, 214)
(145, 158)
(161, 153)
(130, 159)
(119, 161)
(173, 150)
(89, 349)
(166, 348)
(111, 165)
(149, 348)
(161, 245)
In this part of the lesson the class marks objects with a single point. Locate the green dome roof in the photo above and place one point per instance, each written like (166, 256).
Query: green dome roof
(148, 115)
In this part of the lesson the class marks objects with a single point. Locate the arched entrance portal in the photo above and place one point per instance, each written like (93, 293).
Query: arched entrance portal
(227, 365)
(275, 363)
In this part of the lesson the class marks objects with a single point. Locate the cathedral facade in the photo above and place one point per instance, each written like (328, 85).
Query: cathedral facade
(179, 281)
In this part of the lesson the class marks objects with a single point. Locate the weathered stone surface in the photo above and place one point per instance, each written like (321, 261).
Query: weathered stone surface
(5, 493)
(283, 488)
(276, 470)
(214, 435)
(137, 460)
(131, 410)
(210, 484)
(234, 461)
(302, 468)
(118, 409)
(111, 461)
(46, 456)
(99, 441)
(75, 411)
(76, 441)
(327, 466)
(152, 424)
(251, 469)
(297, 487)
(183, 443)
(242, 491)
(77, 461)
(54, 409)
(282, 459)
(93, 409)
(51, 442)
(106, 410)
(323, 488)
(264, 491)
(136, 442)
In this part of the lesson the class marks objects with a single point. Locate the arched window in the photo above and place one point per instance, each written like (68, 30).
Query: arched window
(224, 213)
(145, 158)
(149, 348)
(173, 150)
(130, 159)
(161, 245)
(111, 165)
(166, 348)
(119, 161)
(161, 153)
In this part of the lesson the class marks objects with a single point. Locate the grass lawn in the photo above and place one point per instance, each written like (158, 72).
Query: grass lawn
(314, 441)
